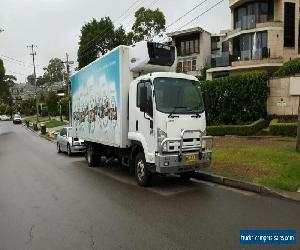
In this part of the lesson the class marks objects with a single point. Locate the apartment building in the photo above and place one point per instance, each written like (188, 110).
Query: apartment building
(193, 49)
(264, 35)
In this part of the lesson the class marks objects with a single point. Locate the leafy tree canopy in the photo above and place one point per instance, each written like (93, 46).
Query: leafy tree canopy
(97, 38)
(148, 23)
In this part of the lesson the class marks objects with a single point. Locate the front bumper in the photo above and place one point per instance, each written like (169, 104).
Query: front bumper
(184, 161)
(170, 164)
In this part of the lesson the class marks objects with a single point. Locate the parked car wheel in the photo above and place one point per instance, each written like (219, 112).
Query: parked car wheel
(142, 175)
(58, 148)
(69, 151)
(92, 156)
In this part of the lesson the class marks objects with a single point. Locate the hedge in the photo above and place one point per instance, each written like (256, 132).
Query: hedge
(236, 99)
(289, 68)
(249, 129)
(286, 129)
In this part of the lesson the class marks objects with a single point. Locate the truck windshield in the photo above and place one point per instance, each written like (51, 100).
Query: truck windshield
(178, 96)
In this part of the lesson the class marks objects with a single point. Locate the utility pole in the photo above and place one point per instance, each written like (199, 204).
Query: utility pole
(68, 63)
(33, 54)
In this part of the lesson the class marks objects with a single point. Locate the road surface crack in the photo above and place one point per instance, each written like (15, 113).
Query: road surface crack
(92, 240)
(30, 234)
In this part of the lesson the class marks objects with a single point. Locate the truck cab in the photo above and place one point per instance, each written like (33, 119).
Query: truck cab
(167, 119)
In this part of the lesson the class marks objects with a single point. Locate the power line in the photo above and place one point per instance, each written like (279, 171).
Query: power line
(201, 14)
(105, 31)
(204, 12)
(185, 14)
(14, 60)
(128, 9)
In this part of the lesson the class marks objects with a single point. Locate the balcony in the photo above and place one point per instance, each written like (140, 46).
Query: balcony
(225, 59)
(249, 26)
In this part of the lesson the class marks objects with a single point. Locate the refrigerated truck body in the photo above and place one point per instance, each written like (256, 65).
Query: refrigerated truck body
(129, 104)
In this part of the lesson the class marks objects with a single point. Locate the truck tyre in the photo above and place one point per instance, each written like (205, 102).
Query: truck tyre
(58, 148)
(142, 175)
(92, 156)
(186, 176)
(69, 152)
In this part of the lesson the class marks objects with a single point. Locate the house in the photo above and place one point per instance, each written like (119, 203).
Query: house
(264, 35)
(193, 49)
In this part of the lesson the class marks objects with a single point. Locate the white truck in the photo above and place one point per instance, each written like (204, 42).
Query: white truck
(129, 104)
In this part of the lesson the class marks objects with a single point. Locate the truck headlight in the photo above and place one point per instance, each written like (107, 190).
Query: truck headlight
(161, 135)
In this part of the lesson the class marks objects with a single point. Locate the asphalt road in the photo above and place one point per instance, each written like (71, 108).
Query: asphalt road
(51, 201)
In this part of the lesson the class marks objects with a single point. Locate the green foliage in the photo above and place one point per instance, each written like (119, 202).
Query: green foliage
(289, 68)
(250, 129)
(97, 38)
(202, 77)
(65, 106)
(5, 81)
(54, 123)
(4, 108)
(236, 99)
(285, 129)
(52, 103)
(30, 80)
(54, 72)
(148, 23)
(28, 106)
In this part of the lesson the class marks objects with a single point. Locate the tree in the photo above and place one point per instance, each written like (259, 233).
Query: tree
(148, 23)
(54, 72)
(10, 80)
(52, 102)
(30, 79)
(5, 95)
(97, 38)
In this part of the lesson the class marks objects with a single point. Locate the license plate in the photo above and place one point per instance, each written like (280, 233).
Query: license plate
(190, 158)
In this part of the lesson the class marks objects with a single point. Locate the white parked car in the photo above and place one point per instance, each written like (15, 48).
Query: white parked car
(17, 119)
(66, 143)
(4, 118)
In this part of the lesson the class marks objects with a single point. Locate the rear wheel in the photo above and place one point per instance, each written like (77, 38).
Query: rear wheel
(92, 155)
(142, 175)
(186, 176)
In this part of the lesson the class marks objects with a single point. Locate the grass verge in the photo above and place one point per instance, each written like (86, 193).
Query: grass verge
(54, 123)
(273, 166)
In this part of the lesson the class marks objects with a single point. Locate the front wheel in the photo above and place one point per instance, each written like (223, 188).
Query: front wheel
(69, 151)
(58, 148)
(92, 156)
(142, 175)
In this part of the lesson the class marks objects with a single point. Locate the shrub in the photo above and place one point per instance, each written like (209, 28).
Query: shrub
(286, 129)
(288, 69)
(249, 129)
(236, 99)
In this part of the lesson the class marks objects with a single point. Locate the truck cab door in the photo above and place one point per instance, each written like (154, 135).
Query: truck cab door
(144, 115)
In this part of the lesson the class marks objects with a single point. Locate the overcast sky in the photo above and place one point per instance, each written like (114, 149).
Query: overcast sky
(54, 25)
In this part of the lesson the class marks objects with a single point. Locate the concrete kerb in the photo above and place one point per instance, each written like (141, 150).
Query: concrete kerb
(38, 134)
(256, 188)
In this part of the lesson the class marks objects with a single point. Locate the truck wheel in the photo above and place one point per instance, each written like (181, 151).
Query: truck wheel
(58, 148)
(92, 156)
(142, 175)
(69, 150)
(186, 176)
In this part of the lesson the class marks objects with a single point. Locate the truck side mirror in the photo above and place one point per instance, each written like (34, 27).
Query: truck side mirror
(143, 99)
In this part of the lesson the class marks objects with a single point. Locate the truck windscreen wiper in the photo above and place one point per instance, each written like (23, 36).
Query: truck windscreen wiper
(178, 107)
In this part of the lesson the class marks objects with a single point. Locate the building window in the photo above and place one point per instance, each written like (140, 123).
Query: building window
(289, 24)
(247, 15)
(188, 45)
(197, 46)
(187, 65)
(194, 63)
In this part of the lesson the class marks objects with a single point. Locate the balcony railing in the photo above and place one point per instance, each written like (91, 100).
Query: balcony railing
(225, 59)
